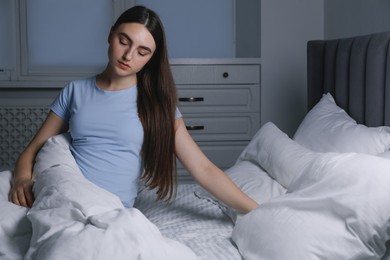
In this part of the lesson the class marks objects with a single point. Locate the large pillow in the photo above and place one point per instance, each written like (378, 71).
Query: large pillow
(250, 177)
(252, 180)
(337, 205)
(328, 128)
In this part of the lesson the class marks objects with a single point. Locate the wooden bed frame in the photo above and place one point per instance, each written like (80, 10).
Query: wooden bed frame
(356, 71)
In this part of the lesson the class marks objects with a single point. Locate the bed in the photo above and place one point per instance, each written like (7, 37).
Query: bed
(324, 192)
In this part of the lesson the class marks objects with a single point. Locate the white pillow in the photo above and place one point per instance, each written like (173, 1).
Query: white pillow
(264, 152)
(250, 177)
(385, 155)
(328, 128)
(252, 180)
(337, 205)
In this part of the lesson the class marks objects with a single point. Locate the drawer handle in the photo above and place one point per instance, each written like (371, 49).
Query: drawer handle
(195, 127)
(225, 75)
(191, 99)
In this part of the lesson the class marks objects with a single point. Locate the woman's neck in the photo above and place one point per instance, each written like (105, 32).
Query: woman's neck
(106, 82)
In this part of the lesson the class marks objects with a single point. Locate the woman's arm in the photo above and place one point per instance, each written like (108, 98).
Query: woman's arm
(209, 176)
(21, 191)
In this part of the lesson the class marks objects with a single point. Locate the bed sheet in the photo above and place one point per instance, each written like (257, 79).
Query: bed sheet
(191, 220)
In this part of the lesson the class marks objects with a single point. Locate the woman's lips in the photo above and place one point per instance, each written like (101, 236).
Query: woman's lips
(123, 65)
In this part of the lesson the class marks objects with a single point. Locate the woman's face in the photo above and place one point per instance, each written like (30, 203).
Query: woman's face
(131, 47)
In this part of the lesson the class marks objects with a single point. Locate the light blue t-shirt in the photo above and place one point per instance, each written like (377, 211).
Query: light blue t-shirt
(107, 135)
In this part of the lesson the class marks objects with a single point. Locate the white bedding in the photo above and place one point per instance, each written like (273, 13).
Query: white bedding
(74, 219)
(337, 205)
(314, 205)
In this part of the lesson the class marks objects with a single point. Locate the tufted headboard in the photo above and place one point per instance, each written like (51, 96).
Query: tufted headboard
(356, 71)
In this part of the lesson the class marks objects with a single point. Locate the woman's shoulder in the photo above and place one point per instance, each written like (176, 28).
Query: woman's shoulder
(82, 85)
(82, 81)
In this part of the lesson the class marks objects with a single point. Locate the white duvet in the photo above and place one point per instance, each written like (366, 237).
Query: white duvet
(74, 219)
(337, 205)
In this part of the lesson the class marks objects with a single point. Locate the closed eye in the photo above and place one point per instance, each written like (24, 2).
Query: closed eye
(123, 40)
(143, 52)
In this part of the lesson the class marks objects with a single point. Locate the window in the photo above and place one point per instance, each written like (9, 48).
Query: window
(69, 34)
(7, 42)
(197, 29)
(47, 41)
(210, 29)
(57, 40)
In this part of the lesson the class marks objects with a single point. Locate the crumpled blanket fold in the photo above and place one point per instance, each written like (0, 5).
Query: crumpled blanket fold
(72, 218)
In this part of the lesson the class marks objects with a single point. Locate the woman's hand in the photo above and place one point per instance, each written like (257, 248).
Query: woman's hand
(21, 193)
(207, 174)
(22, 184)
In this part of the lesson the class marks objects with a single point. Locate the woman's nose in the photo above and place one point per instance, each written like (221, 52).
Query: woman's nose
(128, 54)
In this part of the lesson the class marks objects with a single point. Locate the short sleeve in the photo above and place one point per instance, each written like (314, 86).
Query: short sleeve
(178, 113)
(61, 105)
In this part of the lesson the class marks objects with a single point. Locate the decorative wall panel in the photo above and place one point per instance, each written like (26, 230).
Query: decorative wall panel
(17, 126)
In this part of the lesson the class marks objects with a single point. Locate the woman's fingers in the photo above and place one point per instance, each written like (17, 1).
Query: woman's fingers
(21, 194)
(13, 197)
(29, 195)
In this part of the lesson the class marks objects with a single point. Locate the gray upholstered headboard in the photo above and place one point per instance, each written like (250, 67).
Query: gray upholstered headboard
(356, 71)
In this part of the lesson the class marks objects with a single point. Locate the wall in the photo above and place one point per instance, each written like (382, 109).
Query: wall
(248, 43)
(348, 18)
(286, 26)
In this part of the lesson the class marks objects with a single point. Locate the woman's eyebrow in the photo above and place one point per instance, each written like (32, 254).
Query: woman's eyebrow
(129, 39)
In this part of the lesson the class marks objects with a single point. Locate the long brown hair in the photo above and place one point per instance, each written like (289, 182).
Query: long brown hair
(157, 100)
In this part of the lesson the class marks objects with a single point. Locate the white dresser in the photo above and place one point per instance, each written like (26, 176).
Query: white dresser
(220, 103)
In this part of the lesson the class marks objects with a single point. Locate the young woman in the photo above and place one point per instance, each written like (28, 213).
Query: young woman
(124, 123)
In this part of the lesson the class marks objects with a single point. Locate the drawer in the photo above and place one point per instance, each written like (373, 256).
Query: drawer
(224, 155)
(216, 74)
(220, 98)
(222, 127)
